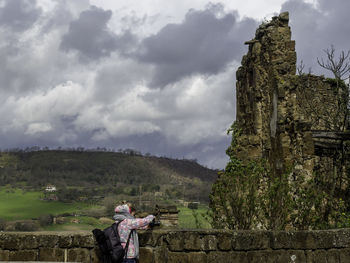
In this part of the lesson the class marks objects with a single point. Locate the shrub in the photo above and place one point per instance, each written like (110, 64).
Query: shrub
(96, 212)
(60, 220)
(46, 220)
(26, 225)
(109, 204)
(2, 224)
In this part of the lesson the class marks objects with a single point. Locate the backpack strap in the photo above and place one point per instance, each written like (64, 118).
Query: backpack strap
(127, 243)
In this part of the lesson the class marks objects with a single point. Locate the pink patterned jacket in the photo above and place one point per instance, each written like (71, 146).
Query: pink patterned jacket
(128, 223)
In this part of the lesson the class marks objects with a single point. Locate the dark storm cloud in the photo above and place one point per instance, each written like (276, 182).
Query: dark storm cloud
(15, 77)
(316, 28)
(209, 154)
(90, 35)
(205, 42)
(18, 15)
(114, 80)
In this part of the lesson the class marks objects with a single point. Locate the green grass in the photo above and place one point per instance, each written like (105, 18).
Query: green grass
(17, 204)
(187, 218)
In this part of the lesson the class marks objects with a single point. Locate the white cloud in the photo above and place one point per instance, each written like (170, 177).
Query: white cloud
(124, 128)
(66, 100)
(39, 127)
(174, 10)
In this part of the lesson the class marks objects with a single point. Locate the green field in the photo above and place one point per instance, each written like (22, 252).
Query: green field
(196, 218)
(17, 204)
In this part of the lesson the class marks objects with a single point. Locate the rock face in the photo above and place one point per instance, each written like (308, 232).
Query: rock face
(278, 110)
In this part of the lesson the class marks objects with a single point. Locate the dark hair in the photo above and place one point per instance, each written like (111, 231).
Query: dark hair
(132, 207)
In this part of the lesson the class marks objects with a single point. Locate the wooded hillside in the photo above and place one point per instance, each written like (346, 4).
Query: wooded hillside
(113, 171)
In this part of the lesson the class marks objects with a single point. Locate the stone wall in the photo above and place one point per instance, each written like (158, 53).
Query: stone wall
(277, 110)
(332, 246)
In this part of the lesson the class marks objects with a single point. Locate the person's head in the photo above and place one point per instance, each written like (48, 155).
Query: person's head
(132, 209)
(125, 208)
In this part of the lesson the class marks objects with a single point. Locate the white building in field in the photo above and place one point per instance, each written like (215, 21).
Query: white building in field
(50, 188)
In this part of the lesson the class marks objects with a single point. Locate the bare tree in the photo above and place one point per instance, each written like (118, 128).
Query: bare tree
(300, 68)
(339, 67)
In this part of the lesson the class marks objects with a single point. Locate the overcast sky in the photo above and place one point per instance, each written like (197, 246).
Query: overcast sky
(156, 76)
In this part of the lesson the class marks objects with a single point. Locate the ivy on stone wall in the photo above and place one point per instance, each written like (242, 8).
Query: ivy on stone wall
(248, 195)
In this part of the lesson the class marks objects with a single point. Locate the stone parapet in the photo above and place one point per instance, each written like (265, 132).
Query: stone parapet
(186, 246)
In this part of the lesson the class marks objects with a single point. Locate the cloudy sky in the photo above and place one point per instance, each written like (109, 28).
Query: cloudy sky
(151, 75)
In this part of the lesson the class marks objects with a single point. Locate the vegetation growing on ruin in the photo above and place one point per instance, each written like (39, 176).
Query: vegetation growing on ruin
(248, 195)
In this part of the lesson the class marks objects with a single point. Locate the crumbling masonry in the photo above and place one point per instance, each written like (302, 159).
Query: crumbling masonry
(291, 120)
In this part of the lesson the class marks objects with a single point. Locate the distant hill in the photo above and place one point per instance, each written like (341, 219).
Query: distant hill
(89, 169)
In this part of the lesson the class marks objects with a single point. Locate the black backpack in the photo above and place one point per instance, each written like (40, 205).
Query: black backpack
(108, 241)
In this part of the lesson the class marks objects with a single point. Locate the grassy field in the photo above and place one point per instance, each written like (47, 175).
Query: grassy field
(17, 204)
(196, 218)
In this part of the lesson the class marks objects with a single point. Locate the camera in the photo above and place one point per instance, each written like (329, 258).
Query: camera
(154, 223)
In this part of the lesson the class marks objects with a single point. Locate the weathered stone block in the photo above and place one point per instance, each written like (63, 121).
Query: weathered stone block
(344, 255)
(226, 257)
(23, 255)
(30, 242)
(224, 242)
(293, 240)
(65, 241)
(197, 257)
(95, 256)
(325, 239)
(288, 256)
(329, 256)
(209, 243)
(50, 241)
(150, 238)
(4, 255)
(11, 242)
(175, 241)
(81, 240)
(262, 256)
(319, 256)
(251, 240)
(51, 254)
(177, 257)
(192, 241)
(342, 238)
(146, 255)
(160, 254)
(275, 256)
(290, 45)
(281, 91)
(284, 16)
(79, 255)
(333, 256)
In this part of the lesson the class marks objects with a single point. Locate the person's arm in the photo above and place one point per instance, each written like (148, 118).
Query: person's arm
(139, 223)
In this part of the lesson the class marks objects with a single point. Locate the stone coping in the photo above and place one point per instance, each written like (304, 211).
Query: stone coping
(189, 239)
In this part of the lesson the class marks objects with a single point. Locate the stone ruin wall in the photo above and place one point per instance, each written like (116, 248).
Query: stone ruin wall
(277, 109)
(186, 246)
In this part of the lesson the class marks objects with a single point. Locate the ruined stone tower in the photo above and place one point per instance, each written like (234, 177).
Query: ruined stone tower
(280, 112)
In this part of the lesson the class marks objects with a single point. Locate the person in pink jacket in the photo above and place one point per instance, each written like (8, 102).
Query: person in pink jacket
(125, 216)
